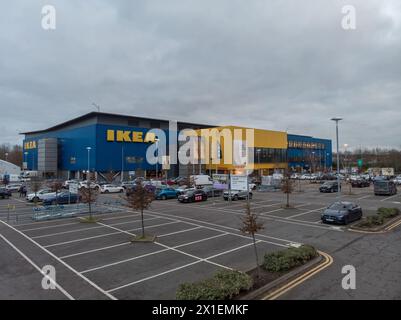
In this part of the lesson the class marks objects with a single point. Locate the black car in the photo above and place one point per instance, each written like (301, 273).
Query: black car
(212, 192)
(4, 193)
(360, 183)
(61, 198)
(342, 212)
(193, 196)
(329, 186)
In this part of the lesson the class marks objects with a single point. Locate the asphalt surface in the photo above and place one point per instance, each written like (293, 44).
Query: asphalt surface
(98, 261)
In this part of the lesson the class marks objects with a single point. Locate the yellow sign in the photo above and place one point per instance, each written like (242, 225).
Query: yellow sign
(30, 145)
(129, 136)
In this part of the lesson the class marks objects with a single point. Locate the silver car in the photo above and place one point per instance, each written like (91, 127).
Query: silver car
(236, 195)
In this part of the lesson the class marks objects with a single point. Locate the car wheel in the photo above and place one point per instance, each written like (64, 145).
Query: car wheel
(250, 196)
(346, 221)
(106, 191)
(164, 197)
(54, 202)
(35, 199)
(235, 197)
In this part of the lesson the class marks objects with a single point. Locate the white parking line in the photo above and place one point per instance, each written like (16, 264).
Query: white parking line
(105, 235)
(179, 268)
(124, 243)
(168, 247)
(89, 228)
(364, 197)
(152, 253)
(62, 262)
(396, 195)
(63, 291)
(303, 213)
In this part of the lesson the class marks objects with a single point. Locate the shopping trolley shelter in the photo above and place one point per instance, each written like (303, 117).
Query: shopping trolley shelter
(98, 260)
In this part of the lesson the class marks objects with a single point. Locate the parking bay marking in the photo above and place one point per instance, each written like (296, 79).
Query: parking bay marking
(124, 243)
(303, 213)
(105, 235)
(110, 296)
(171, 248)
(63, 291)
(90, 228)
(178, 268)
(152, 253)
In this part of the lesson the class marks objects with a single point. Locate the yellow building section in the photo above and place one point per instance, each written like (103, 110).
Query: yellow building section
(258, 140)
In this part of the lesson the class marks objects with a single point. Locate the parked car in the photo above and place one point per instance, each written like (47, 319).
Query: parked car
(236, 195)
(166, 193)
(384, 187)
(13, 187)
(127, 184)
(360, 183)
(397, 180)
(193, 196)
(148, 187)
(4, 193)
(212, 192)
(342, 212)
(61, 198)
(111, 188)
(92, 185)
(40, 195)
(67, 183)
(329, 186)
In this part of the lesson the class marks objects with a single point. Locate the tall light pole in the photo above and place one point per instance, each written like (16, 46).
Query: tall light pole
(157, 159)
(338, 159)
(26, 160)
(6, 154)
(87, 174)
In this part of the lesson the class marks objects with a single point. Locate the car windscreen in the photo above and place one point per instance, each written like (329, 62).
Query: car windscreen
(338, 206)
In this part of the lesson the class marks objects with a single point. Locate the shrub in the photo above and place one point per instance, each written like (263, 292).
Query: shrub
(287, 259)
(223, 285)
(372, 221)
(387, 213)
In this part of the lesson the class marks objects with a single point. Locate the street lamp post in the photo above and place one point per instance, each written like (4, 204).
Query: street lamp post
(338, 159)
(122, 164)
(87, 174)
(6, 154)
(157, 159)
(26, 160)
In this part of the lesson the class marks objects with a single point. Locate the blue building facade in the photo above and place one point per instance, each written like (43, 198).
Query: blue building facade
(102, 142)
(307, 153)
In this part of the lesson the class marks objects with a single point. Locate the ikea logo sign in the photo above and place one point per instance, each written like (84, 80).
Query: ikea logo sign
(130, 136)
(30, 145)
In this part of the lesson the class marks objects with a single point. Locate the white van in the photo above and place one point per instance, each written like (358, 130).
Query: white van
(201, 180)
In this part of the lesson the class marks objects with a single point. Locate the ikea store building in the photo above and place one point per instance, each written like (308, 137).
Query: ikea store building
(104, 142)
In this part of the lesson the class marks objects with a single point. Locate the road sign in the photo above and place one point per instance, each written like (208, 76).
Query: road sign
(239, 183)
(360, 163)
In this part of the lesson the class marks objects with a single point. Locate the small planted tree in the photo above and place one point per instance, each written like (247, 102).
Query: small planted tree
(55, 186)
(35, 185)
(89, 196)
(287, 186)
(251, 226)
(110, 176)
(140, 199)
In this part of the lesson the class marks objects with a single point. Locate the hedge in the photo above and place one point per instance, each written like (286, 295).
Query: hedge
(379, 219)
(223, 285)
(287, 259)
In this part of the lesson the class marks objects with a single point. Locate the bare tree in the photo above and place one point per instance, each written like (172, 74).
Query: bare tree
(35, 185)
(89, 196)
(55, 186)
(110, 175)
(287, 186)
(251, 226)
(140, 199)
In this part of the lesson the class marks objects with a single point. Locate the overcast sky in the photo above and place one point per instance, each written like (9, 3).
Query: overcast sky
(281, 65)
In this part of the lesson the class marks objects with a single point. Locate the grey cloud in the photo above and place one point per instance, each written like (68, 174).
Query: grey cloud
(281, 65)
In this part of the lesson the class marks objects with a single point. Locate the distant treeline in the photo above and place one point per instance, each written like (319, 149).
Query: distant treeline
(14, 153)
(371, 158)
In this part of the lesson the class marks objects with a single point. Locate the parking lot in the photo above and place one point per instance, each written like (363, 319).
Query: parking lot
(98, 261)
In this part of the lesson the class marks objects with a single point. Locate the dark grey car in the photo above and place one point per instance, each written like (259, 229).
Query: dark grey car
(342, 213)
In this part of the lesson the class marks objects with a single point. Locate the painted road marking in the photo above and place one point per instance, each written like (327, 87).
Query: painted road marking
(303, 213)
(62, 262)
(63, 291)
(396, 195)
(302, 278)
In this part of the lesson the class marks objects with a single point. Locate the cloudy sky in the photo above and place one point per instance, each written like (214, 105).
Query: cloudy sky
(275, 64)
